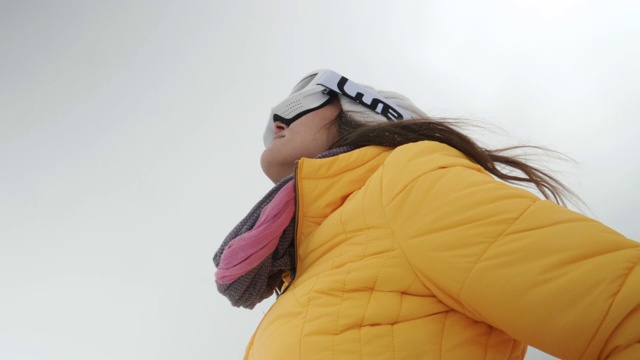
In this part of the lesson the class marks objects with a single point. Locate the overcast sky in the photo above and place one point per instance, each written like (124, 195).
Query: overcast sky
(130, 133)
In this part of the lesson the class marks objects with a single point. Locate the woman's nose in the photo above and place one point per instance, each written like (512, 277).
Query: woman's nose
(279, 126)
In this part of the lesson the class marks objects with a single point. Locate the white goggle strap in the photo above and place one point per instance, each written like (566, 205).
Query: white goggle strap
(369, 99)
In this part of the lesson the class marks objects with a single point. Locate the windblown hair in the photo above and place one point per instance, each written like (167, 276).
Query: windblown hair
(509, 168)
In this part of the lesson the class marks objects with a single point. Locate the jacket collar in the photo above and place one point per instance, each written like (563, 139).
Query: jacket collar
(322, 185)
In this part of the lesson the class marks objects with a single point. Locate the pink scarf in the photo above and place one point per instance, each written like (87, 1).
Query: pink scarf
(249, 249)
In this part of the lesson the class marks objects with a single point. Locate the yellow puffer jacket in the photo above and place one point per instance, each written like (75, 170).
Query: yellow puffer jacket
(418, 253)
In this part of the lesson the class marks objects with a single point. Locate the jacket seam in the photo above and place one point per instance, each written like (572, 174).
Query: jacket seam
(391, 228)
(486, 345)
(511, 349)
(304, 321)
(336, 331)
(444, 325)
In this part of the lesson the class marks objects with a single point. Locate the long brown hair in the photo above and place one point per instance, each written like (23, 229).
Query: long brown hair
(352, 132)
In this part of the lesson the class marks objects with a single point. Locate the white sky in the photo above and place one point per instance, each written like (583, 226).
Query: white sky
(130, 133)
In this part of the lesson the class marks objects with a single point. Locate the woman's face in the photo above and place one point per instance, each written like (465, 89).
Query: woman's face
(309, 136)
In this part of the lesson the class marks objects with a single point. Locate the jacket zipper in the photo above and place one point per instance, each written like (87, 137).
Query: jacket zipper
(292, 275)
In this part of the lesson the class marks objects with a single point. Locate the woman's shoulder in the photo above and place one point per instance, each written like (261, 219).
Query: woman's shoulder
(426, 156)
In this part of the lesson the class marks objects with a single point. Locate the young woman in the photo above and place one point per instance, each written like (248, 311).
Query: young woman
(390, 235)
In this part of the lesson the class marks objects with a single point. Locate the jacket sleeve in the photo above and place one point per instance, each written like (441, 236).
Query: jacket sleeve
(550, 277)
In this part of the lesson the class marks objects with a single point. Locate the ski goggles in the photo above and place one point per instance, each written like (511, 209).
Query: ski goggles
(316, 89)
